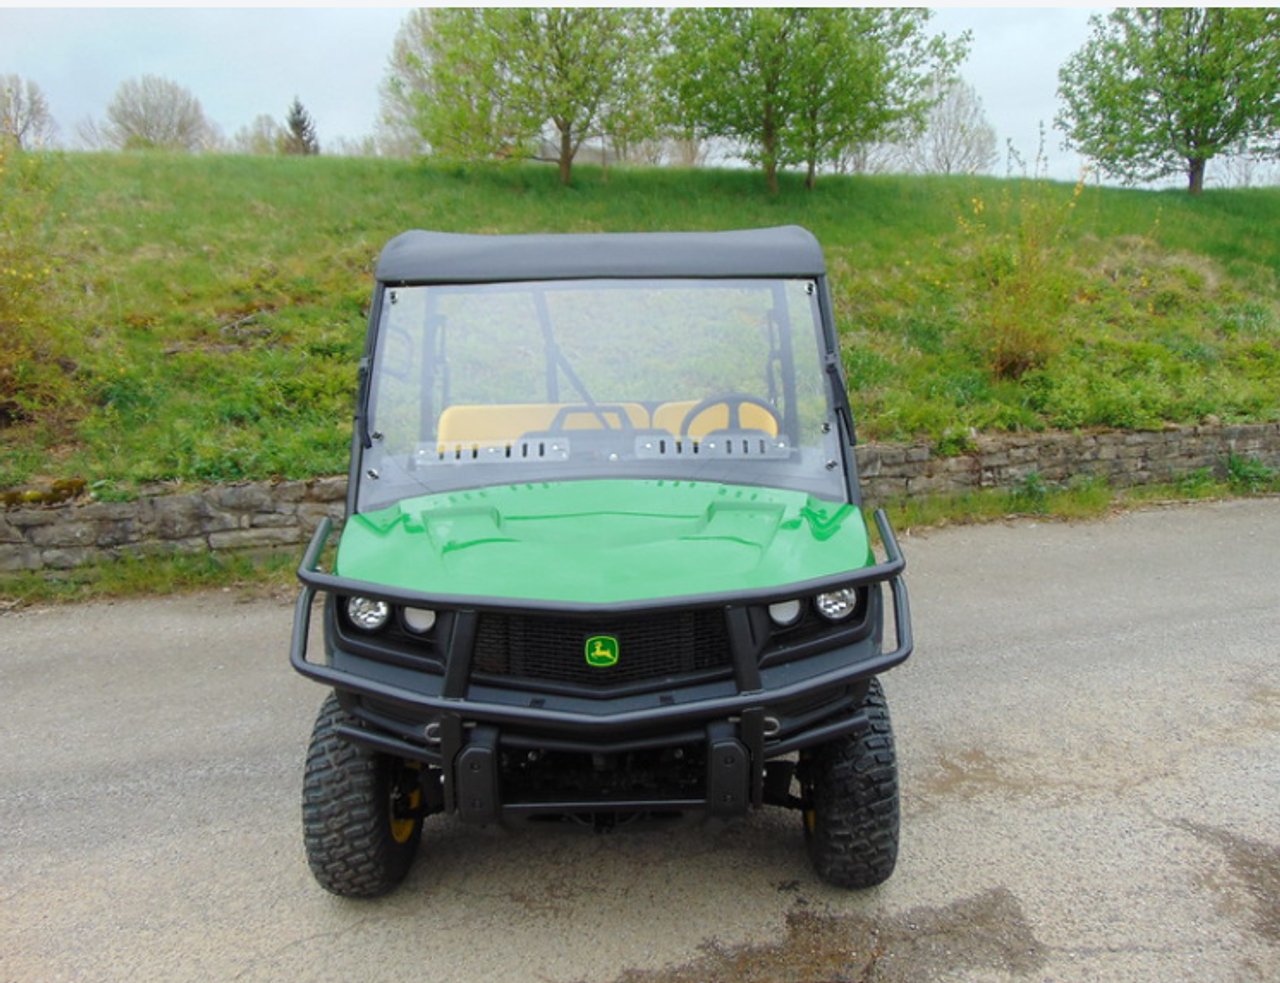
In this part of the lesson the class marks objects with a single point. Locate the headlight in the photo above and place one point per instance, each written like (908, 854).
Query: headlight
(785, 612)
(837, 605)
(419, 620)
(367, 614)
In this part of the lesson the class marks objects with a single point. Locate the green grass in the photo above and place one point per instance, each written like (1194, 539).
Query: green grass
(208, 311)
(251, 575)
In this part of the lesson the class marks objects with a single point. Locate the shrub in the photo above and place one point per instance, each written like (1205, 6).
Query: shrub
(1199, 483)
(1248, 475)
(1032, 494)
(1023, 276)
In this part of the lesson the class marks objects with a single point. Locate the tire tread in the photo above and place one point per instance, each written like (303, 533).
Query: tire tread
(852, 789)
(345, 814)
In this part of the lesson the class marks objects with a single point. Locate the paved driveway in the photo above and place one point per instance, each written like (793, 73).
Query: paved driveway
(1090, 747)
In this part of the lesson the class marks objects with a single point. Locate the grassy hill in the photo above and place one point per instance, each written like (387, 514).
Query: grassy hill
(207, 312)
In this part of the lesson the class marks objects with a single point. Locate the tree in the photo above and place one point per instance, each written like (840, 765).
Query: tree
(24, 113)
(153, 113)
(299, 136)
(1160, 91)
(405, 89)
(877, 157)
(1246, 171)
(364, 146)
(956, 138)
(728, 73)
(483, 83)
(801, 85)
(450, 89)
(262, 137)
(633, 111)
(888, 74)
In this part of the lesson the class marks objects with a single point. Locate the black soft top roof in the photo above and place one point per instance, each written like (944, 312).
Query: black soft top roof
(444, 257)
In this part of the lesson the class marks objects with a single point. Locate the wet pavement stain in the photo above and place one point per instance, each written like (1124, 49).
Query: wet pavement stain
(1255, 866)
(968, 774)
(971, 773)
(983, 933)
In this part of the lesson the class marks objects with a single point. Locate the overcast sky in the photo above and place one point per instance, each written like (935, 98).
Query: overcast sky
(244, 62)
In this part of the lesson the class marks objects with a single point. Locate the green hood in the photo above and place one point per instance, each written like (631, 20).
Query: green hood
(602, 542)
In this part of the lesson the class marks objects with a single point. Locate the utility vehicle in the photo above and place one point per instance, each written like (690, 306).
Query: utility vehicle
(604, 554)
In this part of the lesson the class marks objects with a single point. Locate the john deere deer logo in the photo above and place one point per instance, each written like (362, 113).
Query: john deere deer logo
(602, 651)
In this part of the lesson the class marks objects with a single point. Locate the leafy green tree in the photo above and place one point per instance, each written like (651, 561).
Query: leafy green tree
(799, 86)
(483, 83)
(406, 86)
(1158, 91)
(439, 93)
(299, 137)
(633, 111)
(728, 74)
(866, 74)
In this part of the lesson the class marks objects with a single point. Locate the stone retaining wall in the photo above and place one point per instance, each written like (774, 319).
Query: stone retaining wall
(285, 514)
(1122, 459)
(225, 517)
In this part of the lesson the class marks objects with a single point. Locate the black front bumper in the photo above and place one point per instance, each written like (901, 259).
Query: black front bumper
(734, 727)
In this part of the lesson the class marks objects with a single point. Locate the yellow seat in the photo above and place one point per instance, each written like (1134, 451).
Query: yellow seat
(670, 416)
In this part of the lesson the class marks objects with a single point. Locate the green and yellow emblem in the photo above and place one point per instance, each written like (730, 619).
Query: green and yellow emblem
(602, 651)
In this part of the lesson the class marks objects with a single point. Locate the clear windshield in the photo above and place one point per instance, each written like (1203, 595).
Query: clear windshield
(708, 380)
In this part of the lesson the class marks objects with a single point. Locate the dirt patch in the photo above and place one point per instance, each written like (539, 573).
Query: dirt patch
(984, 933)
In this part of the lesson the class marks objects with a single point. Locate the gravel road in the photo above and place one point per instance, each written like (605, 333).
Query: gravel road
(1089, 739)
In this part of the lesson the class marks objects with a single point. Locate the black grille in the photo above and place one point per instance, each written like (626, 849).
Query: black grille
(552, 649)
